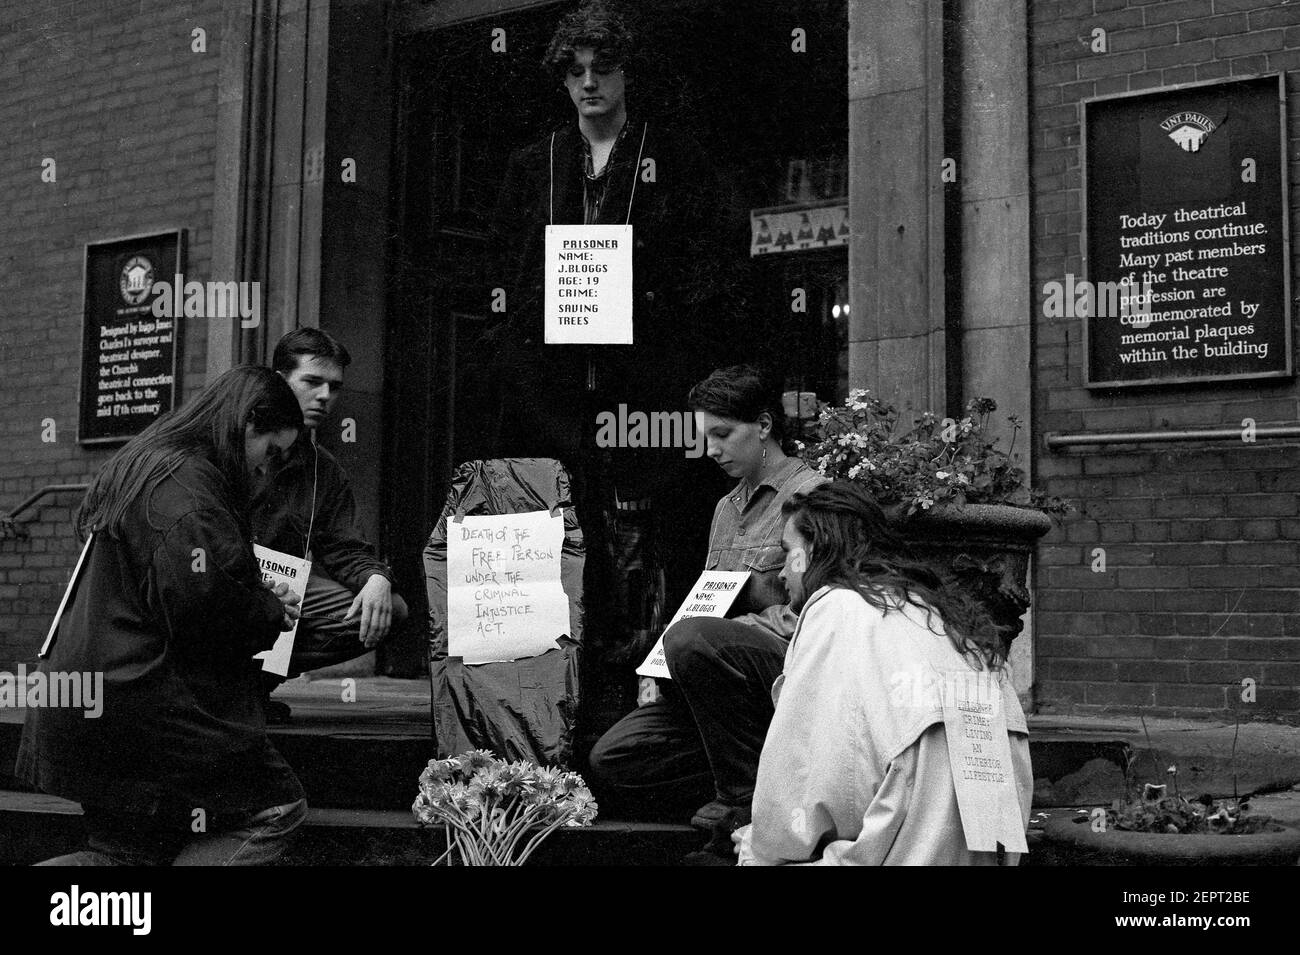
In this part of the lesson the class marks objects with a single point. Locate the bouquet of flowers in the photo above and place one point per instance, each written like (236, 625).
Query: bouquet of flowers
(496, 812)
(933, 463)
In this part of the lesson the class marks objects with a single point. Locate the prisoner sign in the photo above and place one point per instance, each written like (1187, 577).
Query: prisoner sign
(128, 355)
(712, 596)
(1186, 209)
(278, 567)
(504, 596)
(588, 298)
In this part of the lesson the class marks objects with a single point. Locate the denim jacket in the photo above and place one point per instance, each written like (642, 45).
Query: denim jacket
(746, 535)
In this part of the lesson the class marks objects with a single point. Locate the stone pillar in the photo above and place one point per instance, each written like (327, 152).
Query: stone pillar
(997, 297)
(269, 169)
(897, 339)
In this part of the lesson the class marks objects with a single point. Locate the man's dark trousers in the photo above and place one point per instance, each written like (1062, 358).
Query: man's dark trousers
(324, 638)
(702, 739)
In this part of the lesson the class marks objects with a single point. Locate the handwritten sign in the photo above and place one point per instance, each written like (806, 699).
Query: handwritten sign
(504, 596)
(588, 285)
(281, 568)
(712, 596)
(980, 755)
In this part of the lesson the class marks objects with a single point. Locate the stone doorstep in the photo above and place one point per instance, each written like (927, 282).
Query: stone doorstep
(42, 826)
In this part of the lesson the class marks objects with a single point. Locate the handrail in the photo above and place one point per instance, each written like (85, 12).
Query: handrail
(44, 492)
(1055, 440)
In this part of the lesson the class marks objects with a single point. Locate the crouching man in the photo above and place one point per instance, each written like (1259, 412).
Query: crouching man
(304, 502)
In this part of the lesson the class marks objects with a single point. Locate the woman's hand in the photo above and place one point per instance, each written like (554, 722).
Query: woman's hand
(289, 602)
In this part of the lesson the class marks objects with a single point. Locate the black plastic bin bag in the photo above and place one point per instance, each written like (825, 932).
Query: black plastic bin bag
(524, 709)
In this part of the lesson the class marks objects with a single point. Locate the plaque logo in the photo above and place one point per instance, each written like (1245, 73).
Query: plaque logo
(136, 281)
(1188, 130)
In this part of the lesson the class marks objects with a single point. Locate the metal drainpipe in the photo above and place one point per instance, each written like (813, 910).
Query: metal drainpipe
(1056, 441)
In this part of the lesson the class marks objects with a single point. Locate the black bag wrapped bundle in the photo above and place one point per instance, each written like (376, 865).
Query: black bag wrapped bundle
(523, 709)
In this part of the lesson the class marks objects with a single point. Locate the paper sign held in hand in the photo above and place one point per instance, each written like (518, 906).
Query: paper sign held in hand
(588, 285)
(979, 752)
(712, 596)
(504, 596)
(281, 568)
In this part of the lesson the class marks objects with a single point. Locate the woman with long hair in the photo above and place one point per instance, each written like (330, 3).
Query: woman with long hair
(898, 737)
(175, 767)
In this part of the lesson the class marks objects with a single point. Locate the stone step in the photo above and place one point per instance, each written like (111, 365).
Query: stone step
(34, 826)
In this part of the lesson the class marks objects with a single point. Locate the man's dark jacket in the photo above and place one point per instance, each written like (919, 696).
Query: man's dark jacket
(678, 276)
(171, 613)
(282, 509)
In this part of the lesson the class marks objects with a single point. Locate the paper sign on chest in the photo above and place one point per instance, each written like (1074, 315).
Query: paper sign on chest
(281, 568)
(588, 285)
(712, 596)
(504, 596)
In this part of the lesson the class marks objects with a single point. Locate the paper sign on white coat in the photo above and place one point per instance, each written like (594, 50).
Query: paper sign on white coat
(504, 596)
(281, 568)
(979, 752)
(712, 596)
(588, 285)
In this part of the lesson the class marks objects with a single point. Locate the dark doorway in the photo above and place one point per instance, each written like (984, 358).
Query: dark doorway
(760, 110)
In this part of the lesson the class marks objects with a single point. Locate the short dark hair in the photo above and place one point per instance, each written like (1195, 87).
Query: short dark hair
(741, 392)
(311, 342)
(597, 25)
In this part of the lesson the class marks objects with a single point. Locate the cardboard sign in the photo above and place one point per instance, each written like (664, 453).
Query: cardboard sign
(281, 568)
(712, 596)
(504, 596)
(588, 285)
(980, 755)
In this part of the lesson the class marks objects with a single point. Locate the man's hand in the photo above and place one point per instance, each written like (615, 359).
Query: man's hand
(375, 604)
(288, 602)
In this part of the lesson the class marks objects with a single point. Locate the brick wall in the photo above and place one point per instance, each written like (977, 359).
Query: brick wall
(1201, 588)
(112, 91)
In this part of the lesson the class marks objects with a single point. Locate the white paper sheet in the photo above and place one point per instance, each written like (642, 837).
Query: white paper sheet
(281, 568)
(588, 285)
(980, 755)
(504, 596)
(712, 596)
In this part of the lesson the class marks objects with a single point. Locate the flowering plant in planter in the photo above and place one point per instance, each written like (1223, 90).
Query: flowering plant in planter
(933, 463)
(496, 812)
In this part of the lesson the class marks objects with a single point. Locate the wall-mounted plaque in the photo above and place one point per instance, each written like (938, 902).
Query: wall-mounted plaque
(128, 355)
(1185, 205)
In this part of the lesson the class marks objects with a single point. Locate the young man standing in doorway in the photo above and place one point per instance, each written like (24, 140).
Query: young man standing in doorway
(304, 506)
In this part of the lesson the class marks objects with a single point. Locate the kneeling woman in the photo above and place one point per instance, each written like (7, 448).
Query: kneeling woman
(169, 609)
(890, 676)
(699, 743)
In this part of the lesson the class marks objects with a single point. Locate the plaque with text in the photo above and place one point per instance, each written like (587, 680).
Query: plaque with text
(1185, 214)
(128, 355)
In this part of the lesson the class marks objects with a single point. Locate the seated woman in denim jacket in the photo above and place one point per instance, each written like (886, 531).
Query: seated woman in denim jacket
(701, 740)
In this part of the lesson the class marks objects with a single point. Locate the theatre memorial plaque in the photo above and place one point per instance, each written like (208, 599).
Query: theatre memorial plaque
(128, 354)
(1185, 212)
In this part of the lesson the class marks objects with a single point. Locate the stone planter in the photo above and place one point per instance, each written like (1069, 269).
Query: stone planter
(987, 548)
(1072, 839)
